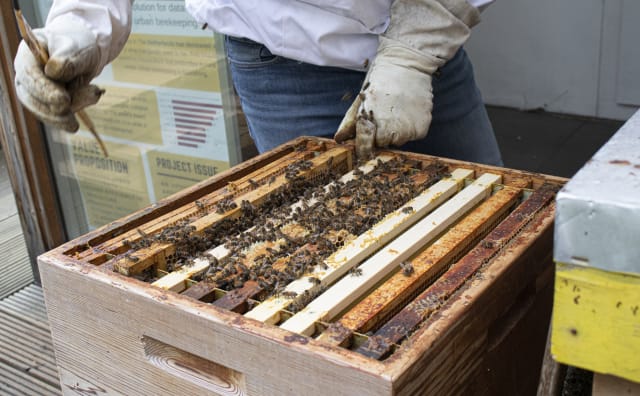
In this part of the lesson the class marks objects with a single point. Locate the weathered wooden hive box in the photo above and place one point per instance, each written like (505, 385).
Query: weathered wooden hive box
(304, 272)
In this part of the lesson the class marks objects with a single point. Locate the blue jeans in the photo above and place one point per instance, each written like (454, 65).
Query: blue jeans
(283, 99)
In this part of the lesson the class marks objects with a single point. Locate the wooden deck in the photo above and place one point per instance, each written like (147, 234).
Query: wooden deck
(27, 363)
(14, 259)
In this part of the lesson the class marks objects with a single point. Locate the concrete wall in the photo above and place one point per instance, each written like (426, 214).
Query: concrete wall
(571, 56)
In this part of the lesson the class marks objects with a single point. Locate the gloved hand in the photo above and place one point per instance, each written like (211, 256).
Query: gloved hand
(55, 91)
(395, 103)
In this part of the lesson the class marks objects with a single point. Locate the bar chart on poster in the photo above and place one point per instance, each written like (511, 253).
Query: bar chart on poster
(191, 119)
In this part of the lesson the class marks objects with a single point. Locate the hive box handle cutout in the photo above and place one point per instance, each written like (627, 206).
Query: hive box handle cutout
(189, 367)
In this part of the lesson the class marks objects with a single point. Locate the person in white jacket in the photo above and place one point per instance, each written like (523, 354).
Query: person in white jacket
(384, 72)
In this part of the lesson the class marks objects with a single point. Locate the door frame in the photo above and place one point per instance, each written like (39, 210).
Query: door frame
(28, 161)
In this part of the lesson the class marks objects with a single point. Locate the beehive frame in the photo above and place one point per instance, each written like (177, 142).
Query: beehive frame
(120, 335)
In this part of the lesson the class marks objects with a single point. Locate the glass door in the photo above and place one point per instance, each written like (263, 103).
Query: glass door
(168, 119)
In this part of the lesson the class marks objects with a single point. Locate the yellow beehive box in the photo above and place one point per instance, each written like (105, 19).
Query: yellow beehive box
(596, 319)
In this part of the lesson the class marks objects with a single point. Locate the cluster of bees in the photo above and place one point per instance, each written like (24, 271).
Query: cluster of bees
(181, 236)
(273, 244)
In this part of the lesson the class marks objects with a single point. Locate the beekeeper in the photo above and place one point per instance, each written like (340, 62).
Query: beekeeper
(383, 72)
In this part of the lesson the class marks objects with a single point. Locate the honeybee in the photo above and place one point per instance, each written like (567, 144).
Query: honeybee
(488, 244)
(407, 210)
(289, 294)
(407, 268)
(314, 280)
(346, 97)
(238, 283)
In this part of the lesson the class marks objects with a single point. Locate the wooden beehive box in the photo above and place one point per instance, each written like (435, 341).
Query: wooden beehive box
(301, 272)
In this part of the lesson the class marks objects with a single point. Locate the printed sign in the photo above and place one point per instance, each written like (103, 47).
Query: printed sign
(111, 187)
(161, 117)
(173, 172)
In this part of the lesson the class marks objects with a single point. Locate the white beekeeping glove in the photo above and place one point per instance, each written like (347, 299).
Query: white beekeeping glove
(395, 103)
(55, 91)
(81, 37)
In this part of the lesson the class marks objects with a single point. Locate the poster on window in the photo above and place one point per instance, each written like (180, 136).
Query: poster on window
(162, 114)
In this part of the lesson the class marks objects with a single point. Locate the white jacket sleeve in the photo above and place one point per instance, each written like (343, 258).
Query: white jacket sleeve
(109, 20)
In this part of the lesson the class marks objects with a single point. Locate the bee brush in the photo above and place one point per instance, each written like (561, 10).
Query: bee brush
(42, 56)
